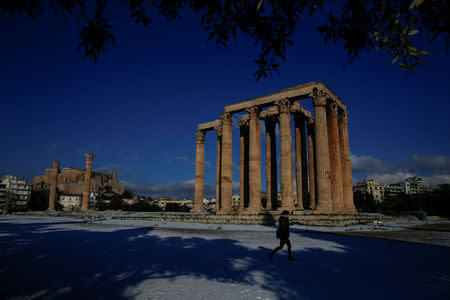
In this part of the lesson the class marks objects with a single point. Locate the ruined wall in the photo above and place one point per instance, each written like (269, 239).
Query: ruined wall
(70, 181)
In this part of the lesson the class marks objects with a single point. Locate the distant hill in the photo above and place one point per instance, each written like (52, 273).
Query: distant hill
(70, 181)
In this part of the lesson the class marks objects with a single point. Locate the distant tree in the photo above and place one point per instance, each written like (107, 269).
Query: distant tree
(396, 27)
(365, 202)
(175, 207)
(141, 206)
(39, 200)
(127, 194)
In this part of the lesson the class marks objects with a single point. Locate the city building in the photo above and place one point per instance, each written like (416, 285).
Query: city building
(70, 202)
(14, 193)
(163, 201)
(372, 187)
(417, 185)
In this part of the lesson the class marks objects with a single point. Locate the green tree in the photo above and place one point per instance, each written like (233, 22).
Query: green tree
(396, 26)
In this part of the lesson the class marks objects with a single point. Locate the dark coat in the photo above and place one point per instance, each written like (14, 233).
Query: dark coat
(283, 227)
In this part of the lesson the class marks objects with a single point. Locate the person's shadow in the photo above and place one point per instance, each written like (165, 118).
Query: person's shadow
(83, 261)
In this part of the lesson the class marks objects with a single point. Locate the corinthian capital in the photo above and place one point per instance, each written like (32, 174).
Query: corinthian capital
(200, 136)
(227, 118)
(242, 123)
(218, 131)
(253, 112)
(319, 98)
(284, 105)
(89, 157)
(55, 164)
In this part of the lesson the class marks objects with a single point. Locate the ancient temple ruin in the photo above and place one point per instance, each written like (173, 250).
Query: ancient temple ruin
(323, 178)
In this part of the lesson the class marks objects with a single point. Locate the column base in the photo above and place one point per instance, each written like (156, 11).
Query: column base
(197, 210)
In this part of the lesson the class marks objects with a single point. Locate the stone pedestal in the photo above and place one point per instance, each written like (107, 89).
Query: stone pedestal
(53, 185)
(271, 163)
(335, 158)
(311, 165)
(323, 174)
(346, 164)
(243, 167)
(254, 205)
(286, 170)
(87, 181)
(227, 164)
(199, 187)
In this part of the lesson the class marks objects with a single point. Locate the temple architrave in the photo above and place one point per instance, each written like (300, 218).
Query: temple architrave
(319, 143)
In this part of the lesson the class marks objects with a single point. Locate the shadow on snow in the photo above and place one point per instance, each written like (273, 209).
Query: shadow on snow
(39, 260)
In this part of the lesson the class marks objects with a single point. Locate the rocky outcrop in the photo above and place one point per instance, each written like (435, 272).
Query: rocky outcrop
(70, 181)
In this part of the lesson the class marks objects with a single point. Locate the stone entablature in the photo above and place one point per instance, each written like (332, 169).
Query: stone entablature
(322, 154)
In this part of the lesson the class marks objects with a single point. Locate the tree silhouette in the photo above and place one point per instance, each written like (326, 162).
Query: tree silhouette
(395, 26)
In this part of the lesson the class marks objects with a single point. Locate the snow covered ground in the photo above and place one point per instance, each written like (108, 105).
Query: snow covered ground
(60, 258)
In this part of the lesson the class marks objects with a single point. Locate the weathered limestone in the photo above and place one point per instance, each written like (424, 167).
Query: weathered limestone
(271, 163)
(286, 170)
(322, 159)
(311, 165)
(243, 166)
(322, 155)
(300, 160)
(346, 165)
(218, 165)
(335, 158)
(199, 172)
(227, 164)
(53, 184)
(87, 181)
(254, 205)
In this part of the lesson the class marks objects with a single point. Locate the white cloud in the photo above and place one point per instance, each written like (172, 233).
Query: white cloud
(433, 168)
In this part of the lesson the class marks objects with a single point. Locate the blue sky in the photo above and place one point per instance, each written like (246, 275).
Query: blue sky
(138, 108)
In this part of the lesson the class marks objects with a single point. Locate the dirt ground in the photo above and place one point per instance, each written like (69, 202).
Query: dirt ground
(433, 234)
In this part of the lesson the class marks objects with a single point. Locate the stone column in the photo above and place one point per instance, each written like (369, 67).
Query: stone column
(311, 165)
(323, 176)
(53, 185)
(218, 165)
(199, 193)
(226, 178)
(335, 158)
(243, 167)
(346, 165)
(300, 160)
(87, 181)
(287, 201)
(271, 163)
(254, 205)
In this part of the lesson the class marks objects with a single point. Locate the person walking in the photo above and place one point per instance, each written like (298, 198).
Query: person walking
(283, 235)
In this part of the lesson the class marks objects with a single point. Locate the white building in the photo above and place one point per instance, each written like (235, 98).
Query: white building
(417, 185)
(70, 202)
(411, 185)
(372, 187)
(163, 201)
(14, 192)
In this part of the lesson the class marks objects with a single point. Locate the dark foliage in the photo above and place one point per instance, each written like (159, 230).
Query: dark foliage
(394, 26)
(434, 203)
(39, 200)
(141, 206)
(175, 207)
